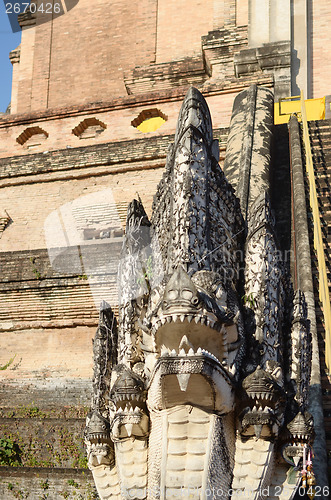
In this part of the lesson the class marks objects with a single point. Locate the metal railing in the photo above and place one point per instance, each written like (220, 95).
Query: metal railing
(318, 239)
(286, 106)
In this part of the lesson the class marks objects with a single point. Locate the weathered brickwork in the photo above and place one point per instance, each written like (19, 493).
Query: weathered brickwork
(189, 71)
(83, 157)
(50, 391)
(148, 35)
(45, 441)
(111, 154)
(52, 366)
(53, 484)
(29, 205)
(54, 41)
(320, 48)
(65, 292)
(116, 116)
(117, 166)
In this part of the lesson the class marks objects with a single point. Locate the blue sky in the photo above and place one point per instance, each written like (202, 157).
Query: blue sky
(8, 42)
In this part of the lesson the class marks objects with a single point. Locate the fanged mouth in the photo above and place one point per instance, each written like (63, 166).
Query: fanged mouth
(182, 335)
(193, 319)
(260, 396)
(294, 451)
(165, 351)
(191, 357)
(129, 410)
(262, 409)
(299, 438)
(99, 437)
(128, 421)
(119, 397)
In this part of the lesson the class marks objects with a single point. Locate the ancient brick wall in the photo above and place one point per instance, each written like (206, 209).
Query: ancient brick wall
(140, 36)
(319, 43)
(104, 51)
(43, 439)
(115, 115)
(66, 42)
(65, 293)
(46, 483)
(71, 173)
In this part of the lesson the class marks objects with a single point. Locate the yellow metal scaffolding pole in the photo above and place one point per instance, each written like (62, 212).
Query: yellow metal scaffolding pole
(318, 239)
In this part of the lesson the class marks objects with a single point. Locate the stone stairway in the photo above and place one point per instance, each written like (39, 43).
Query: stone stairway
(320, 135)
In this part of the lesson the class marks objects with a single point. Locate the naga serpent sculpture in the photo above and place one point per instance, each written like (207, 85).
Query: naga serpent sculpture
(200, 386)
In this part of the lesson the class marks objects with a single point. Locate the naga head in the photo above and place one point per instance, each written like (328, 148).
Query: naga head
(299, 435)
(100, 449)
(262, 404)
(192, 313)
(128, 389)
(128, 407)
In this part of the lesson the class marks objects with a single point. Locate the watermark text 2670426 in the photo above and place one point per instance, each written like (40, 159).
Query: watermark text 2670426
(47, 8)
(27, 13)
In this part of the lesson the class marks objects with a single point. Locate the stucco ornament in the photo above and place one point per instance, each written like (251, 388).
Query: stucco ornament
(200, 388)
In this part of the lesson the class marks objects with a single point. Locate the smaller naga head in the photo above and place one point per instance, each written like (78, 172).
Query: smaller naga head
(263, 401)
(100, 450)
(300, 434)
(128, 389)
(128, 409)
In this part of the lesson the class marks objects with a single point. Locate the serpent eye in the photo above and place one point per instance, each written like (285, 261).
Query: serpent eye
(187, 294)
